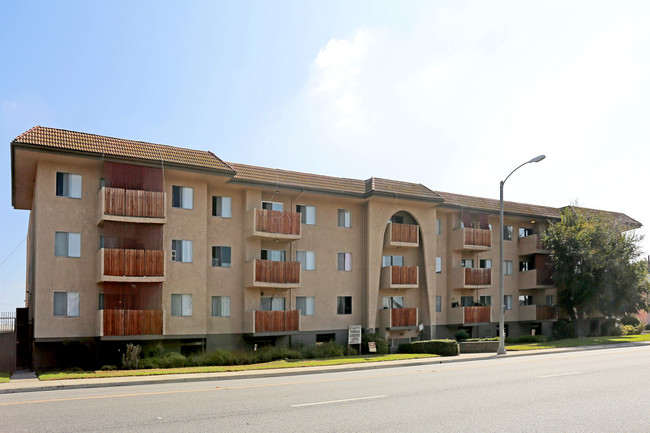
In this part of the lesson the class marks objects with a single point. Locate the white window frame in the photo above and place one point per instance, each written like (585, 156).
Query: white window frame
(344, 259)
(68, 241)
(344, 218)
(70, 185)
(186, 197)
(306, 305)
(465, 262)
(71, 306)
(439, 226)
(307, 214)
(307, 260)
(507, 301)
(507, 267)
(185, 307)
(221, 306)
(438, 304)
(183, 252)
(221, 206)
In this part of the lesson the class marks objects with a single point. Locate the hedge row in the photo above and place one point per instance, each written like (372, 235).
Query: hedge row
(436, 347)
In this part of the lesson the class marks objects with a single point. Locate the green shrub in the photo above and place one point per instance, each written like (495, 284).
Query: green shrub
(563, 329)
(131, 358)
(172, 360)
(526, 339)
(330, 349)
(640, 328)
(108, 368)
(273, 353)
(616, 330)
(152, 350)
(484, 339)
(380, 343)
(629, 329)
(630, 320)
(436, 347)
(148, 363)
(461, 335)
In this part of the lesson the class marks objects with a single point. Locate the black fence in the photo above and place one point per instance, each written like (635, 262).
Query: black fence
(7, 322)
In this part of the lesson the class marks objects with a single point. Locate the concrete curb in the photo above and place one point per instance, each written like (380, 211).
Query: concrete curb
(33, 385)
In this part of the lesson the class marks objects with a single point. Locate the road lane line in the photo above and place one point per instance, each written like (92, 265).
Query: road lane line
(557, 375)
(338, 401)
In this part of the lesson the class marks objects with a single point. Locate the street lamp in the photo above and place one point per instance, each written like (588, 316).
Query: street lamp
(502, 348)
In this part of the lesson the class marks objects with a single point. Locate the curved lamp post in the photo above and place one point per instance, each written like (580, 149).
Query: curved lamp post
(502, 347)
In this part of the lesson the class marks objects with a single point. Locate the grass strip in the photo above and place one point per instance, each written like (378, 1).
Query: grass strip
(576, 342)
(4, 377)
(60, 375)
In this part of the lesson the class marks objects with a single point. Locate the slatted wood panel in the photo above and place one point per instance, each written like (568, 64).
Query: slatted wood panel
(544, 269)
(134, 263)
(546, 312)
(277, 321)
(404, 233)
(478, 277)
(404, 274)
(403, 317)
(132, 322)
(268, 271)
(476, 314)
(134, 203)
(478, 237)
(273, 221)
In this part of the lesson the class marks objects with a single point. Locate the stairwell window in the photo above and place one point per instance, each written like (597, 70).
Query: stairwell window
(344, 305)
(221, 207)
(181, 304)
(439, 226)
(438, 304)
(438, 265)
(221, 257)
(344, 218)
(67, 244)
(182, 197)
(307, 260)
(507, 267)
(507, 301)
(344, 261)
(307, 214)
(306, 305)
(66, 304)
(221, 306)
(68, 185)
(182, 251)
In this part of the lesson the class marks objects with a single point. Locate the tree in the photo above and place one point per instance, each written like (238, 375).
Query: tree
(596, 266)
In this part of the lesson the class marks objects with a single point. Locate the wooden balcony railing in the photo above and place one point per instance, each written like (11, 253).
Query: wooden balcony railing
(277, 222)
(133, 203)
(404, 275)
(268, 271)
(546, 312)
(407, 233)
(478, 237)
(478, 277)
(277, 321)
(476, 314)
(131, 322)
(403, 317)
(134, 263)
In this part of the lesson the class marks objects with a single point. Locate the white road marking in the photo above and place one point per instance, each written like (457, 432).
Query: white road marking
(557, 375)
(338, 401)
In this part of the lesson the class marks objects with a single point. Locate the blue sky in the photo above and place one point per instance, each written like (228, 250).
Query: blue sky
(450, 94)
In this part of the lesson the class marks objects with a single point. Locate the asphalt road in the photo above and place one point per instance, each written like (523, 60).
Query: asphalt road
(606, 390)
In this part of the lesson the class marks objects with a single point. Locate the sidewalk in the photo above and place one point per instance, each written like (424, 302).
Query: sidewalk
(27, 381)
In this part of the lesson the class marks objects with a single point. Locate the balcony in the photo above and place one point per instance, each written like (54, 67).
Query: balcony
(470, 278)
(469, 315)
(272, 322)
(534, 313)
(271, 274)
(126, 265)
(130, 206)
(531, 244)
(535, 279)
(273, 224)
(399, 277)
(117, 323)
(469, 239)
(402, 235)
(398, 318)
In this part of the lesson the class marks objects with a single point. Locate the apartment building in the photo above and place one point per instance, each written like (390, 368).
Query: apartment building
(134, 241)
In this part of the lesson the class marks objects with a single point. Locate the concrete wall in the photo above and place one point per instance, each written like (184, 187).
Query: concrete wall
(8, 352)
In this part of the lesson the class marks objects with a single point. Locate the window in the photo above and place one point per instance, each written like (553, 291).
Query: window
(271, 205)
(307, 214)
(344, 218)
(525, 300)
(466, 301)
(507, 301)
(181, 305)
(221, 207)
(221, 257)
(549, 299)
(467, 263)
(485, 264)
(507, 267)
(306, 305)
(101, 241)
(68, 185)
(392, 261)
(438, 304)
(221, 306)
(307, 260)
(393, 302)
(100, 305)
(268, 303)
(439, 226)
(274, 255)
(345, 261)
(507, 233)
(67, 244)
(525, 266)
(485, 300)
(182, 197)
(397, 219)
(438, 265)
(66, 304)
(182, 251)
(523, 232)
(325, 338)
(344, 305)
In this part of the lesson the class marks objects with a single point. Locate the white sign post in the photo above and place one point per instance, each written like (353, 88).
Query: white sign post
(354, 336)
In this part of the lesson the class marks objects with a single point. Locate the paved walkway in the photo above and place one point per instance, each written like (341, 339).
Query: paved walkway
(26, 381)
